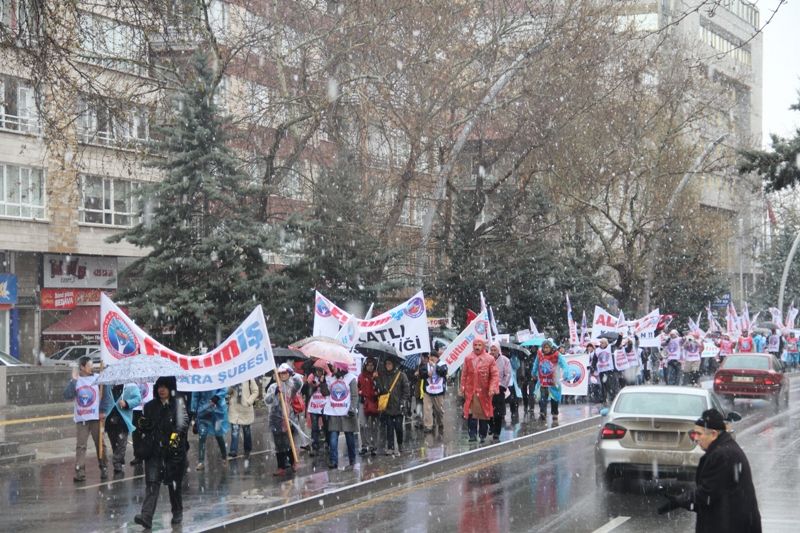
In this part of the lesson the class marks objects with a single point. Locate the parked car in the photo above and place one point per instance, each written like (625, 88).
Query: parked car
(753, 375)
(69, 356)
(648, 431)
(9, 360)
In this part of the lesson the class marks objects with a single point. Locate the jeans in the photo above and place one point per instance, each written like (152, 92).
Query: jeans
(283, 449)
(499, 407)
(333, 447)
(117, 432)
(610, 383)
(317, 434)
(248, 440)
(394, 426)
(674, 373)
(201, 447)
(477, 427)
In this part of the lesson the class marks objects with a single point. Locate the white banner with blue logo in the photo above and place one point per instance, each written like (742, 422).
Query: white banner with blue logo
(575, 379)
(8, 289)
(405, 327)
(246, 354)
(87, 399)
(457, 351)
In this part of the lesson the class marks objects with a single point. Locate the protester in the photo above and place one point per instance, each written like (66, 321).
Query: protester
(723, 497)
(210, 412)
(164, 424)
(119, 421)
(434, 378)
(674, 348)
(369, 414)
(515, 392)
(278, 423)
(548, 367)
(504, 380)
(759, 342)
(524, 382)
(395, 383)
(774, 342)
(604, 363)
(479, 382)
(316, 409)
(745, 342)
(792, 351)
(241, 415)
(692, 350)
(88, 412)
(342, 390)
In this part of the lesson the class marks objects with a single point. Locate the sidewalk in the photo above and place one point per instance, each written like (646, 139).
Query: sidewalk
(219, 493)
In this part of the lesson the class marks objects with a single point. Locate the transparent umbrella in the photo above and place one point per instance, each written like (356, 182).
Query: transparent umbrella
(139, 369)
(324, 348)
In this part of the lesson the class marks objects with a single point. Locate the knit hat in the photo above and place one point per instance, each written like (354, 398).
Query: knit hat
(711, 419)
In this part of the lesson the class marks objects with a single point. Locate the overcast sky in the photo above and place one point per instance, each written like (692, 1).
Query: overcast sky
(781, 67)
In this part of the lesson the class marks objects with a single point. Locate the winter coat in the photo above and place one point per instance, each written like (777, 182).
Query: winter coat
(347, 423)
(133, 398)
(168, 423)
(724, 497)
(366, 391)
(479, 377)
(401, 394)
(211, 420)
(240, 403)
(290, 387)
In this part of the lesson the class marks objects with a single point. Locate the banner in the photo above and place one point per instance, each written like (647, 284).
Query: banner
(575, 381)
(523, 335)
(405, 327)
(455, 353)
(8, 289)
(63, 299)
(709, 350)
(83, 271)
(244, 355)
(604, 324)
(572, 327)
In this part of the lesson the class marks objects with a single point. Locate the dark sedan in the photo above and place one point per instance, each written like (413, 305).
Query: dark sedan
(753, 375)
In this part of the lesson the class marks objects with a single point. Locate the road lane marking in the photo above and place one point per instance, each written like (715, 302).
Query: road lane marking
(34, 419)
(613, 524)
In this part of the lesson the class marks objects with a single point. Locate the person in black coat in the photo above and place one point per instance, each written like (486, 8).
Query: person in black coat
(724, 497)
(163, 447)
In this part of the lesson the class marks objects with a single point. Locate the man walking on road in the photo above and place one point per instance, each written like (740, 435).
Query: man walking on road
(724, 497)
(499, 399)
(89, 413)
(479, 382)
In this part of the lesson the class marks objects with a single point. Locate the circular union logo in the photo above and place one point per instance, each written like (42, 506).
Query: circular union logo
(415, 307)
(339, 391)
(322, 308)
(85, 396)
(480, 328)
(576, 372)
(118, 337)
(547, 367)
(144, 390)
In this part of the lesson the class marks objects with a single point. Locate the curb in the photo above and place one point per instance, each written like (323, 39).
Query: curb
(302, 508)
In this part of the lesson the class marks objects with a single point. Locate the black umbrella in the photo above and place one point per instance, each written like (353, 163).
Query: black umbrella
(378, 350)
(287, 353)
(514, 347)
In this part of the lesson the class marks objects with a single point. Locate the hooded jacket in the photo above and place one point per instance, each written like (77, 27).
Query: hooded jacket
(479, 376)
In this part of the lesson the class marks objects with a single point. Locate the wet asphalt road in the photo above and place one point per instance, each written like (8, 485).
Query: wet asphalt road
(41, 496)
(551, 488)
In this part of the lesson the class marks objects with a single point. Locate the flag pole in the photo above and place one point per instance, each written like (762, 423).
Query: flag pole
(101, 418)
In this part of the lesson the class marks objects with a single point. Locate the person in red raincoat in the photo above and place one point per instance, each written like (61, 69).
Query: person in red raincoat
(480, 380)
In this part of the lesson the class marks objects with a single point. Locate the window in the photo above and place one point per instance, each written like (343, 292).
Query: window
(739, 52)
(109, 201)
(378, 147)
(98, 123)
(21, 192)
(18, 106)
(220, 97)
(111, 44)
(218, 18)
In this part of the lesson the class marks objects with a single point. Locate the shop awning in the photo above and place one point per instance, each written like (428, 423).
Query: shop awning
(83, 320)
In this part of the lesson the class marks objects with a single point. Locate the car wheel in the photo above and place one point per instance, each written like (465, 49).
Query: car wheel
(776, 402)
(605, 478)
(729, 398)
(786, 399)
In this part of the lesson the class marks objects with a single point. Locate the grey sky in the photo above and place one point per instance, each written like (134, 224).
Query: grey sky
(781, 67)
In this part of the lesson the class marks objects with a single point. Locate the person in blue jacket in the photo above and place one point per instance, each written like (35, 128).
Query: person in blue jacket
(119, 421)
(548, 367)
(210, 412)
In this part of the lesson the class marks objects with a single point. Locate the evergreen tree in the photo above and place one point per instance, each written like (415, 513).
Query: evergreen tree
(206, 268)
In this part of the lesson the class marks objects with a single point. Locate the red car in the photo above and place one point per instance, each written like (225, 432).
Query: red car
(753, 375)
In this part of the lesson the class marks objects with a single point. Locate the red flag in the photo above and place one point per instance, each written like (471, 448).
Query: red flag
(471, 315)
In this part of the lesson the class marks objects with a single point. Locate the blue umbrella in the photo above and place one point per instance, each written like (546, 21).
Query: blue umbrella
(536, 341)
(139, 369)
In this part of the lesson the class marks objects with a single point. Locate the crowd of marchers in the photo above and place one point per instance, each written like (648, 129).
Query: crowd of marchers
(322, 401)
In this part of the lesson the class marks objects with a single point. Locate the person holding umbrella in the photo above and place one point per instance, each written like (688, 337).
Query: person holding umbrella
(342, 390)
(394, 382)
(163, 425)
(278, 422)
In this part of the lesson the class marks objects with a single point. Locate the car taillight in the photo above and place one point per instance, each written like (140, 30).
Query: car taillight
(718, 380)
(769, 381)
(612, 431)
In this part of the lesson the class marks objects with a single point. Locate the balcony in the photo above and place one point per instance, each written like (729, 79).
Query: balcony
(30, 125)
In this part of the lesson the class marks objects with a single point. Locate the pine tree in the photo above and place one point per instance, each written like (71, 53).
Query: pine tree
(206, 267)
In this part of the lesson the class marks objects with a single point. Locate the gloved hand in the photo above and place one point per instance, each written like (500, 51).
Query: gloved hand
(676, 501)
(351, 412)
(502, 390)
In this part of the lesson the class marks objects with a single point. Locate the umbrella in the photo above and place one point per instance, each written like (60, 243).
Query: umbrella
(288, 353)
(536, 341)
(377, 349)
(514, 347)
(324, 348)
(139, 369)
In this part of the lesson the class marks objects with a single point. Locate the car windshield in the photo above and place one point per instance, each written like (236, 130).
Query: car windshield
(651, 403)
(746, 362)
(7, 359)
